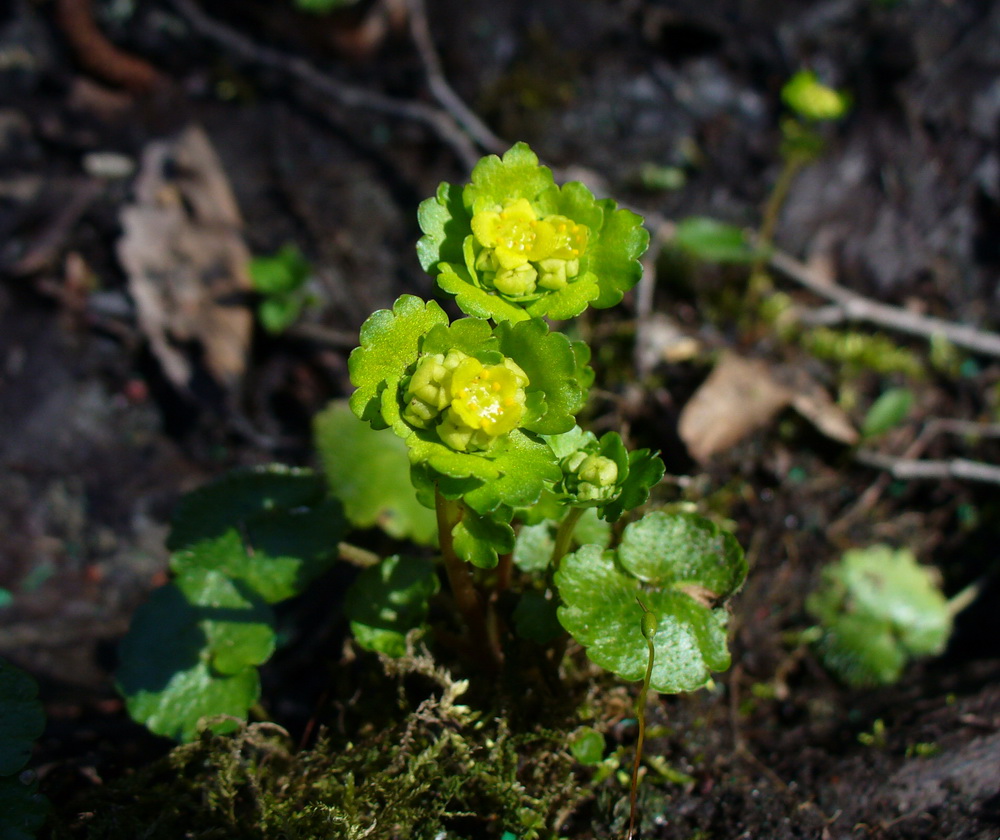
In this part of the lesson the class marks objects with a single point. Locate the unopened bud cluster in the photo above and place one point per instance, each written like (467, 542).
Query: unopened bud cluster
(590, 478)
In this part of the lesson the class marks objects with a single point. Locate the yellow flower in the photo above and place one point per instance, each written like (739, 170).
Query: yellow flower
(515, 234)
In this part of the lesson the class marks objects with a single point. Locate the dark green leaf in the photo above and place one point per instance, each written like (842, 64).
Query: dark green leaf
(389, 600)
(190, 654)
(21, 718)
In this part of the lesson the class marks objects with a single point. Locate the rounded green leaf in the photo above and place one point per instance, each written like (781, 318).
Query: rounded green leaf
(685, 552)
(878, 608)
(369, 471)
(587, 745)
(236, 497)
(21, 718)
(190, 653)
(600, 610)
(387, 601)
(276, 542)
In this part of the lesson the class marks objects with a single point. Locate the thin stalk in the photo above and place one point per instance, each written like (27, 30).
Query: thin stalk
(463, 589)
(772, 210)
(564, 536)
(648, 631)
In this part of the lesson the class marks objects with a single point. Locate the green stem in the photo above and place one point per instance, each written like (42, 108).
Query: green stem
(564, 536)
(463, 589)
(640, 713)
(772, 210)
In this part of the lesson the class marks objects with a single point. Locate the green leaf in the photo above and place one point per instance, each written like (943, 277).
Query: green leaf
(369, 471)
(279, 312)
(878, 609)
(681, 566)
(812, 100)
(190, 654)
(587, 745)
(645, 471)
(268, 528)
(479, 539)
(475, 300)
(551, 365)
(390, 343)
(497, 181)
(524, 466)
(237, 497)
(614, 259)
(535, 618)
(889, 410)
(23, 810)
(21, 718)
(710, 240)
(283, 272)
(533, 547)
(387, 601)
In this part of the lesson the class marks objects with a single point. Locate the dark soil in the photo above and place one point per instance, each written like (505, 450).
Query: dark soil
(97, 443)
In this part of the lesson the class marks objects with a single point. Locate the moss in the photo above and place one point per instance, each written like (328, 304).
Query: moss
(442, 768)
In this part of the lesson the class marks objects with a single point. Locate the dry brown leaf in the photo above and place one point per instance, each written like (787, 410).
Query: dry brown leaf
(739, 397)
(186, 261)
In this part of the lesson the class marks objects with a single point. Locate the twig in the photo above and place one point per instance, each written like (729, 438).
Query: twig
(346, 95)
(856, 307)
(916, 469)
(98, 55)
(443, 92)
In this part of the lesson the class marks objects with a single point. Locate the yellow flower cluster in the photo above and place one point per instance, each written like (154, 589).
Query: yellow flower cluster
(467, 403)
(522, 252)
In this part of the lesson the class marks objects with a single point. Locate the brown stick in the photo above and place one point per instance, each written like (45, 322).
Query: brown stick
(97, 55)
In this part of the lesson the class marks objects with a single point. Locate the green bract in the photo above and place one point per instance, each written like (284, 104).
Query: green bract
(386, 601)
(683, 567)
(878, 609)
(511, 244)
(602, 473)
(468, 398)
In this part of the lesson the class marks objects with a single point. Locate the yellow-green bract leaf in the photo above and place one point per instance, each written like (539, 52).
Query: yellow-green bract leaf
(369, 471)
(191, 653)
(387, 601)
(390, 343)
(682, 584)
(878, 609)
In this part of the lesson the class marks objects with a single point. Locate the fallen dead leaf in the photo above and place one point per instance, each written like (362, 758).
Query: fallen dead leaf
(742, 395)
(739, 397)
(186, 261)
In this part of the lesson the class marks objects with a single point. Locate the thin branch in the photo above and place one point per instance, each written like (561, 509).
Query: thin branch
(856, 307)
(420, 31)
(936, 470)
(346, 95)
